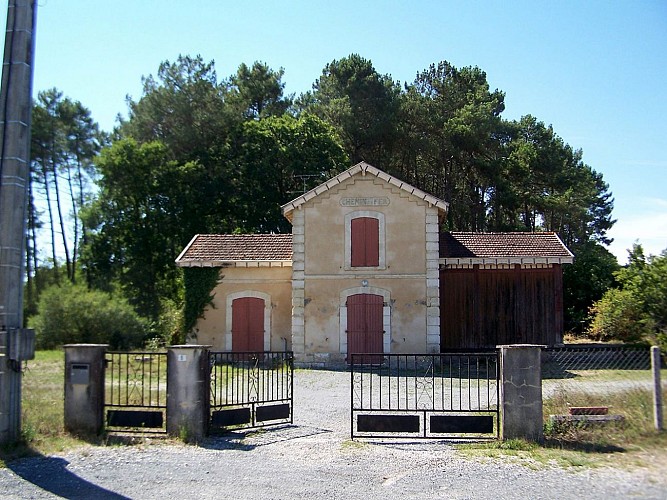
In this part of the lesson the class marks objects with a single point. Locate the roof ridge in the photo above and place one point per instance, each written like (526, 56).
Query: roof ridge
(501, 232)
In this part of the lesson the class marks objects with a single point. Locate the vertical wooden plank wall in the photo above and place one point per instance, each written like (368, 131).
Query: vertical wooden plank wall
(482, 308)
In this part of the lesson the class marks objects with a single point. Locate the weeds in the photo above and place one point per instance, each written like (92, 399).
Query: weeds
(350, 445)
(631, 442)
(42, 426)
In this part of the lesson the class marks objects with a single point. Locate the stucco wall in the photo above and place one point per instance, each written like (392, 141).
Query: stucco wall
(401, 276)
(272, 282)
(404, 221)
(325, 305)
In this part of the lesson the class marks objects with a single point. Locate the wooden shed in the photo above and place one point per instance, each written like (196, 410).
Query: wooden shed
(501, 288)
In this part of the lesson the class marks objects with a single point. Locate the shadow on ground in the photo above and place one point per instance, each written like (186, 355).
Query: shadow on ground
(250, 439)
(51, 474)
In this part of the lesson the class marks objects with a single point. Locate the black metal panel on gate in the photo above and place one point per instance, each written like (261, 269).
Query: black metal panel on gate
(135, 396)
(452, 395)
(135, 418)
(272, 412)
(234, 416)
(388, 423)
(251, 389)
(462, 424)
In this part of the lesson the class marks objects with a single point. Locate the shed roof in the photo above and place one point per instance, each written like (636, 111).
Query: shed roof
(240, 250)
(270, 250)
(497, 248)
(362, 168)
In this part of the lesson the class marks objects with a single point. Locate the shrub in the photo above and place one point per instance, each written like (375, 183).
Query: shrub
(637, 309)
(617, 316)
(72, 314)
(168, 328)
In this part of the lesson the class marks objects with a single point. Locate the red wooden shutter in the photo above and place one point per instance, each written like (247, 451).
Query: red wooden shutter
(364, 326)
(372, 227)
(356, 324)
(365, 242)
(358, 243)
(248, 324)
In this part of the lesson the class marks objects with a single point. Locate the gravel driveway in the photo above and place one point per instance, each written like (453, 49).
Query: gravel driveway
(312, 459)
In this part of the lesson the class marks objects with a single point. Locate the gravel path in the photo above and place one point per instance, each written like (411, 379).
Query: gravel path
(310, 460)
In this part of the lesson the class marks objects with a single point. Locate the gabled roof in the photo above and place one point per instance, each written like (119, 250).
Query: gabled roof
(238, 250)
(503, 248)
(362, 168)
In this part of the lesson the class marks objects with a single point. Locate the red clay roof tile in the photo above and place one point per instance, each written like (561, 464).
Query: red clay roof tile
(237, 247)
(490, 245)
(219, 248)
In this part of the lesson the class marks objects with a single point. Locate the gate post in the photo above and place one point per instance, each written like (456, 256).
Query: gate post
(656, 362)
(521, 392)
(188, 391)
(84, 388)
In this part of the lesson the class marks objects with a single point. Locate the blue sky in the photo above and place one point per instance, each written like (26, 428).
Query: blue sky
(595, 70)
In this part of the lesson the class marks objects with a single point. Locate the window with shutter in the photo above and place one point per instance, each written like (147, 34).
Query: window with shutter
(365, 240)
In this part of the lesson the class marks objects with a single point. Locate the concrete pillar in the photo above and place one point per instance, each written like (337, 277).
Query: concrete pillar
(84, 388)
(521, 392)
(15, 115)
(188, 389)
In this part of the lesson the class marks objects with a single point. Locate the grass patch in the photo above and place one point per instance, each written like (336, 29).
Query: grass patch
(633, 442)
(42, 406)
(138, 379)
(603, 375)
(634, 403)
(350, 445)
(533, 455)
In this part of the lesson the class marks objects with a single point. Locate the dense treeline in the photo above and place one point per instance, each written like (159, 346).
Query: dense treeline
(198, 154)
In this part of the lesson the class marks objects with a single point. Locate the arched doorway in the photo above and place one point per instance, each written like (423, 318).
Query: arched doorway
(248, 324)
(365, 325)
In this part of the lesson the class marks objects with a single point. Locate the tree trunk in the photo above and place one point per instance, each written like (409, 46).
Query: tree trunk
(61, 222)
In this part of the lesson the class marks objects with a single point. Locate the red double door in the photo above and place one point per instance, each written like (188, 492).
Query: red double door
(248, 324)
(365, 326)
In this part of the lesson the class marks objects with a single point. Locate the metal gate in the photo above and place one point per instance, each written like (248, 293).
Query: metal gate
(135, 392)
(251, 389)
(452, 396)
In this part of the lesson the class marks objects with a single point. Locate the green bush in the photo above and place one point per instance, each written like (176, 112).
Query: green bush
(168, 328)
(617, 316)
(637, 309)
(72, 314)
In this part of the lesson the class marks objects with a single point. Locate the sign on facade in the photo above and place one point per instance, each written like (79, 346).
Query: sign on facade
(365, 202)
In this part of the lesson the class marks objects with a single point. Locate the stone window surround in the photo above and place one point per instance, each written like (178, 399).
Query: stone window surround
(348, 239)
(267, 316)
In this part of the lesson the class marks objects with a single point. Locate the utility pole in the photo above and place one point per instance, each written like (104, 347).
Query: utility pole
(15, 111)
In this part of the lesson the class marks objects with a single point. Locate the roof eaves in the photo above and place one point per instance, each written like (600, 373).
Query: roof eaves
(565, 247)
(525, 260)
(236, 263)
